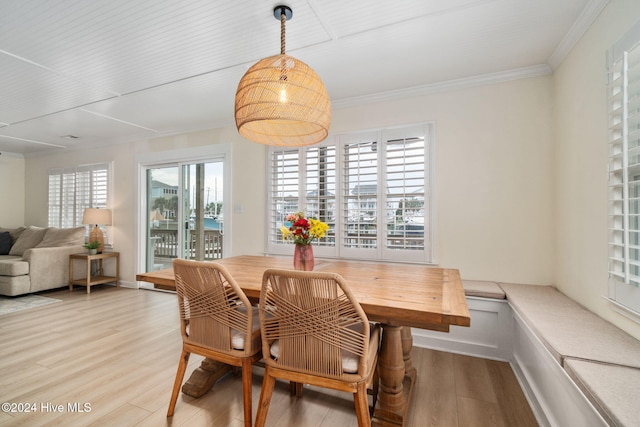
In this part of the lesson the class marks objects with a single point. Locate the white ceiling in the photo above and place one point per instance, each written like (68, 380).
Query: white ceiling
(109, 71)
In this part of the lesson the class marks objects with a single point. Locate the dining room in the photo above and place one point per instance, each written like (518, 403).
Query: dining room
(515, 164)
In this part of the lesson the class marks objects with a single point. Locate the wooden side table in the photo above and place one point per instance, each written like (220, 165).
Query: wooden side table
(97, 279)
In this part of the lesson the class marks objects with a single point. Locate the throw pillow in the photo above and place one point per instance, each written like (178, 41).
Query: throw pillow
(14, 232)
(56, 237)
(27, 240)
(5, 243)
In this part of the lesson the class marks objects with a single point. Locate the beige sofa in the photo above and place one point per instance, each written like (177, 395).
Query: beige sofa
(37, 259)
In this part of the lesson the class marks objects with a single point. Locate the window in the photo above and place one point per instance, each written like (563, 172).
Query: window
(72, 190)
(623, 93)
(372, 189)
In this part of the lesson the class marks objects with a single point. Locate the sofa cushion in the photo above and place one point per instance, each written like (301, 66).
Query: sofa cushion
(569, 330)
(55, 237)
(14, 285)
(14, 232)
(5, 243)
(27, 240)
(13, 266)
(612, 389)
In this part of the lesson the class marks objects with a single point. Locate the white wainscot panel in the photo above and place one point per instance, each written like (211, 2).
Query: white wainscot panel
(487, 337)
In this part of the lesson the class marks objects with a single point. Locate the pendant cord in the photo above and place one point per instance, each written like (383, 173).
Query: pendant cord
(283, 20)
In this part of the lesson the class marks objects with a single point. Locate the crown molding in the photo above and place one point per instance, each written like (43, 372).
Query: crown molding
(410, 92)
(577, 30)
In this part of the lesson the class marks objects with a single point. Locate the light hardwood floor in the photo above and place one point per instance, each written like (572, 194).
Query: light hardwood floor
(117, 351)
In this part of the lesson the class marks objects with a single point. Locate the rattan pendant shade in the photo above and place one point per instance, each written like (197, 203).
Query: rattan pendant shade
(282, 101)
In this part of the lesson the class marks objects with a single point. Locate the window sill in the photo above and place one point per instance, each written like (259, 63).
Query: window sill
(623, 310)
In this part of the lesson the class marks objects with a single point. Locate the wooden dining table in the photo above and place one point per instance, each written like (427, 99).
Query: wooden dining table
(397, 295)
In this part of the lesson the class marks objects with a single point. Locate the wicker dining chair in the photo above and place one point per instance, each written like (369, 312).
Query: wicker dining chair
(315, 332)
(217, 321)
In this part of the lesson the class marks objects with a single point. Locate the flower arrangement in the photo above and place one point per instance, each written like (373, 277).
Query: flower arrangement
(302, 230)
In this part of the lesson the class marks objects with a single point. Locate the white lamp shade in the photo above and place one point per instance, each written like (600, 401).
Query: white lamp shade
(97, 216)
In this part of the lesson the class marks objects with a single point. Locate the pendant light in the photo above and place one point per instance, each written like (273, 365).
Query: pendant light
(280, 100)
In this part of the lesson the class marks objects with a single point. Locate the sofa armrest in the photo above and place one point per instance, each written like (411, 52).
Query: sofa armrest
(49, 267)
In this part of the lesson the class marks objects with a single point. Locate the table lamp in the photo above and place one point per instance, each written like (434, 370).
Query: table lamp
(97, 217)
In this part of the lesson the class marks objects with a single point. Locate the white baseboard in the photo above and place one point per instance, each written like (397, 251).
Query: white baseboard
(126, 284)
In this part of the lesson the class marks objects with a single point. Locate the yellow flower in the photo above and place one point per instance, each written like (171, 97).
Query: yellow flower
(285, 232)
(318, 228)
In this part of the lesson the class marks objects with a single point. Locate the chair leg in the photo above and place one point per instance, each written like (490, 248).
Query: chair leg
(362, 405)
(182, 367)
(296, 388)
(265, 397)
(376, 384)
(246, 390)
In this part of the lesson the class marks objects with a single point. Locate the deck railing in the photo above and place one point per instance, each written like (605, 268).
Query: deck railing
(165, 244)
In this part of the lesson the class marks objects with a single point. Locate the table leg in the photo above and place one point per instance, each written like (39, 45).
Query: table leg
(70, 274)
(117, 270)
(407, 345)
(395, 387)
(88, 276)
(204, 377)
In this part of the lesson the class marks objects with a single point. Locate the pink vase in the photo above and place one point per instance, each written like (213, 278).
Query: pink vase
(303, 258)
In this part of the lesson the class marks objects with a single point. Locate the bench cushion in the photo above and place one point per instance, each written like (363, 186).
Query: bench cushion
(612, 389)
(13, 266)
(483, 289)
(569, 330)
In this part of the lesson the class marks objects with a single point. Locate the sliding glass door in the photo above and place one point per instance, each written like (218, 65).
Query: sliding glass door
(185, 212)
(202, 201)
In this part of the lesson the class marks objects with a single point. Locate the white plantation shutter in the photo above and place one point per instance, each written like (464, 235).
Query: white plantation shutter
(284, 190)
(62, 186)
(406, 191)
(623, 94)
(91, 188)
(372, 189)
(302, 179)
(360, 194)
(74, 189)
(320, 188)
(55, 198)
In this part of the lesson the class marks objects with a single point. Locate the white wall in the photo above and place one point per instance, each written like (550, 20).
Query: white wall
(494, 175)
(494, 178)
(12, 184)
(580, 123)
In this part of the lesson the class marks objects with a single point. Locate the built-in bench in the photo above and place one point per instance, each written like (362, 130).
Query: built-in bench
(576, 368)
(598, 357)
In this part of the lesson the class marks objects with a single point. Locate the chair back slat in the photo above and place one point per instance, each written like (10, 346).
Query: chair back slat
(314, 319)
(212, 305)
